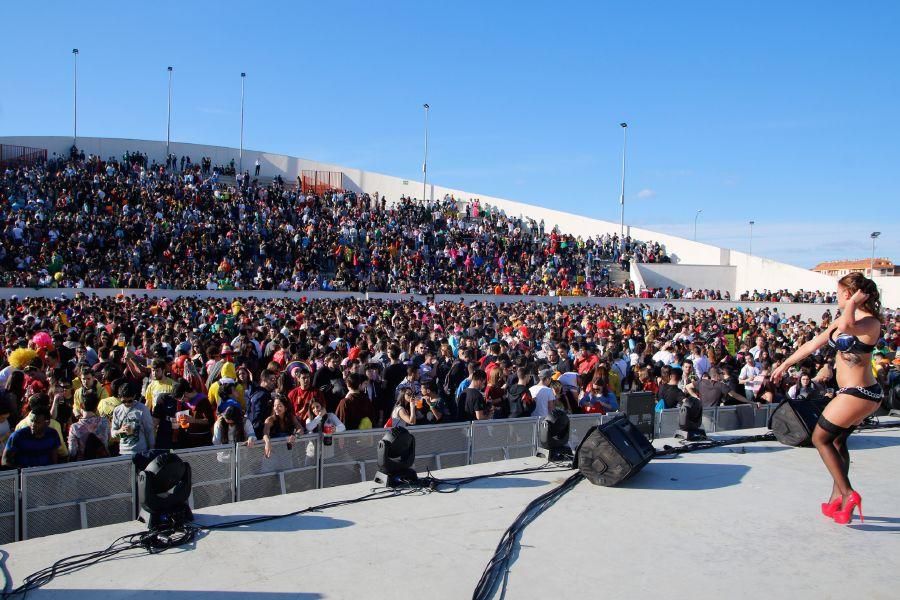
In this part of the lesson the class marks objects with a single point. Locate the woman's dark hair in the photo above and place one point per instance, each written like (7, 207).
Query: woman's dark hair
(16, 383)
(855, 282)
(287, 422)
(232, 413)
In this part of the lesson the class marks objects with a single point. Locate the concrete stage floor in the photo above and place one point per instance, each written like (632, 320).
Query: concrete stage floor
(732, 522)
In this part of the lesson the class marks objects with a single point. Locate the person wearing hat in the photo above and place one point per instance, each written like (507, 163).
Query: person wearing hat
(227, 375)
(542, 394)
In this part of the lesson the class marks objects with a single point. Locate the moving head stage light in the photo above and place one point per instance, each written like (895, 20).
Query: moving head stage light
(553, 436)
(164, 487)
(690, 419)
(396, 455)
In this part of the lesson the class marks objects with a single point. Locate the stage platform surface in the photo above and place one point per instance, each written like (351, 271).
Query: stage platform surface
(732, 522)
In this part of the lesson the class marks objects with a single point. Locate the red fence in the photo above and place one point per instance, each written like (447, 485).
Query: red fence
(13, 156)
(319, 182)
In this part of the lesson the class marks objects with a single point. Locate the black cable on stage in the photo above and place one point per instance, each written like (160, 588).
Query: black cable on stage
(707, 444)
(158, 540)
(498, 567)
(435, 483)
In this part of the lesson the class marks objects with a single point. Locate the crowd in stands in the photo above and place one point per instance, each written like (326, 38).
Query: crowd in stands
(671, 293)
(82, 222)
(808, 297)
(85, 377)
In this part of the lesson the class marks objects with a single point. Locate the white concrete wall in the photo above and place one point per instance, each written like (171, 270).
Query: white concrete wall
(752, 272)
(807, 311)
(678, 276)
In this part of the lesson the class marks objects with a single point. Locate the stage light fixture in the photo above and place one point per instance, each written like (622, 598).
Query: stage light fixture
(690, 420)
(396, 455)
(553, 435)
(164, 487)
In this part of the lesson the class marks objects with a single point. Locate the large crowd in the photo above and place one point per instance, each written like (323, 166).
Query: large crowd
(84, 222)
(86, 377)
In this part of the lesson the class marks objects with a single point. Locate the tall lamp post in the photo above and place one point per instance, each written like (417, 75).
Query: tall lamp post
(874, 235)
(752, 223)
(624, 127)
(169, 117)
(241, 150)
(75, 96)
(425, 160)
(695, 223)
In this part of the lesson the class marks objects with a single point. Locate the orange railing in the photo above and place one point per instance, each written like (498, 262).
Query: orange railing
(319, 182)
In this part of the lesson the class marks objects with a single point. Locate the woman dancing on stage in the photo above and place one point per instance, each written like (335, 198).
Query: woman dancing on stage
(853, 336)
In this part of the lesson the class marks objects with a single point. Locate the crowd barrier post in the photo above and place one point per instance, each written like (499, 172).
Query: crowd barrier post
(9, 507)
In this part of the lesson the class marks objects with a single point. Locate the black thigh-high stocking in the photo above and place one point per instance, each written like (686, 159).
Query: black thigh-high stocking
(840, 443)
(824, 438)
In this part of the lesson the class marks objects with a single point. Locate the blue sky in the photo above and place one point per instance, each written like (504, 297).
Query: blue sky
(781, 112)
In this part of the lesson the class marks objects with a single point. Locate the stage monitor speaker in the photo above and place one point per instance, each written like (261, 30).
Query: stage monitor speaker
(641, 409)
(794, 420)
(611, 453)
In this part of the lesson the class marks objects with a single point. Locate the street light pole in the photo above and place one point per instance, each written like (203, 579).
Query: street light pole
(425, 160)
(874, 235)
(751, 237)
(169, 117)
(624, 127)
(75, 96)
(695, 223)
(241, 151)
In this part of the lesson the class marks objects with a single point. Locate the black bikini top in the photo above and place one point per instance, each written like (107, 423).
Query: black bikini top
(849, 343)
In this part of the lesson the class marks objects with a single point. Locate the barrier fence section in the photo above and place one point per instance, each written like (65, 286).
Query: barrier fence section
(579, 426)
(62, 498)
(352, 457)
(212, 474)
(42, 501)
(503, 439)
(9, 507)
(719, 418)
(288, 469)
(442, 446)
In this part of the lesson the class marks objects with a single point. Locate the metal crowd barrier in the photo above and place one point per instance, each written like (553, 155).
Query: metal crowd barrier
(286, 471)
(352, 457)
(441, 446)
(578, 427)
(212, 474)
(9, 507)
(503, 439)
(719, 418)
(62, 498)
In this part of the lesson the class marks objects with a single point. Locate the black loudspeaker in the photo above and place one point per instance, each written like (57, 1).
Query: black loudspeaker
(794, 420)
(611, 453)
(641, 409)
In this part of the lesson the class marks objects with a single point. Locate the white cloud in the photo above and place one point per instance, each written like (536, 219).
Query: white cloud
(646, 194)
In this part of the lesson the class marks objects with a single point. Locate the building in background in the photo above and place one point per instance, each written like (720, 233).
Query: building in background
(883, 267)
